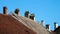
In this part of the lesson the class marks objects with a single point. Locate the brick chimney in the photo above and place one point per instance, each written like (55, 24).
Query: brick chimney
(48, 27)
(27, 14)
(5, 10)
(32, 16)
(55, 25)
(42, 22)
(16, 11)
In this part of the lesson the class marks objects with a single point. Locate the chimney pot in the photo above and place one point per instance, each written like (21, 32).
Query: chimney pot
(48, 27)
(27, 14)
(42, 22)
(32, 16)
(55, 25)
(17, 11)
(4, 10)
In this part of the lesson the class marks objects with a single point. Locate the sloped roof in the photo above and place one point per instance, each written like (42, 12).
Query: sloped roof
(9, 25)
(35, 26)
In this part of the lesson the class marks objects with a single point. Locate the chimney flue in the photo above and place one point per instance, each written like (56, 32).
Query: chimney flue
(17, 11)
(4, 10)
(48, 27)
(32, 16)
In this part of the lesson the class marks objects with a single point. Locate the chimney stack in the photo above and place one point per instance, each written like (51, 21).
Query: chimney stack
(5, 10)
(48, 27)
(32, 16)
(55, 25)
(17, 11)
(27, 14)
(42, 22)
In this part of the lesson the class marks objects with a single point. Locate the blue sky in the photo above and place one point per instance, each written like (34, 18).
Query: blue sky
(47, 10)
